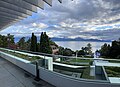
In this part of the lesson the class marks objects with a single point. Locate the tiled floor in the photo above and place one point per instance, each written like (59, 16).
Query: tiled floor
(13, 76)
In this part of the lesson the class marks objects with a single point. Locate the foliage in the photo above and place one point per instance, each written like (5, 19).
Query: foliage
(52, 43)
(88, 49)
(79, 60)
(68, 52)
(11, 38)
(65, 51)
(45, 43)
(85, 50)
(3, 41)
(115, 49)
(112, 51)
(23, 56)
(86, 74)
(6, 41)
(105, 50)
(28, 44)
(33, 46)
(80, 53)
(61, 50)
(21, 43)
(113, 71)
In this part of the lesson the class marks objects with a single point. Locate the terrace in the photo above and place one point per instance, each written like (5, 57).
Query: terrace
(13, 76)
(20, 68)
(80, 70)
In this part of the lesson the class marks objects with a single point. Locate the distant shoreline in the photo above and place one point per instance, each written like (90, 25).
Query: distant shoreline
(80, 40)
(77, 45)
(67, 39)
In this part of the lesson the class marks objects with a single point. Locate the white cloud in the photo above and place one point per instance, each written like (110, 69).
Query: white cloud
(40, 25)
(34, 24)
(78, 18)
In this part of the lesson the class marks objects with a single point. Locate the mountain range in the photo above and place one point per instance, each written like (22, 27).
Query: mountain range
(77, 39)
(67, 39)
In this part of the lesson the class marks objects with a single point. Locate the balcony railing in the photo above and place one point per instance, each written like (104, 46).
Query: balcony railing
(94, 69)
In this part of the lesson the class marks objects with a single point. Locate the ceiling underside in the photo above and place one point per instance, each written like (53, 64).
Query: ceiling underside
(12, 11)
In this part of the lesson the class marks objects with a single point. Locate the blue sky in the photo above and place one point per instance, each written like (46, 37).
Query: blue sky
(89, 19)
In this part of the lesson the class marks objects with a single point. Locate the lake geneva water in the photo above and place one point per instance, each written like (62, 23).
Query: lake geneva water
(77, 45)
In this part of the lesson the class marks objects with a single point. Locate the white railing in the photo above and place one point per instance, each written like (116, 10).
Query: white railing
(56, 79)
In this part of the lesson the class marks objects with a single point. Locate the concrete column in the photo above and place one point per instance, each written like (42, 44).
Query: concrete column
(49, 63)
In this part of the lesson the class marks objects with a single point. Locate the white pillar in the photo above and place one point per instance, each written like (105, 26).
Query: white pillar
(49, 63)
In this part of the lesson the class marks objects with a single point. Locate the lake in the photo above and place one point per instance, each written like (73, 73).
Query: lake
(77, 45)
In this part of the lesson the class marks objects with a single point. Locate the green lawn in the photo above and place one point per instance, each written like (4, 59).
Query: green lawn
(23, 56)
(113, 61)
(113, 71)
(79, 60)
(86, 74)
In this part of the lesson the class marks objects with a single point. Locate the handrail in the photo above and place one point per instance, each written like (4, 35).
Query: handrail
(78, 79)
(57, 56)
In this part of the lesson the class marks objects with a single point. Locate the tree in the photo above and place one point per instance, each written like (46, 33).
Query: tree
(11, 38)
(67, 52)
(41, 42)
(89, 49)
(52, 43)
(21, 43)
(33, 46)
(112, 51)
(105, 50)
(1, 41)
(28, 44)
(6, 41)
(80, 53)
(45, 43)
(61, 50)
(115, 49)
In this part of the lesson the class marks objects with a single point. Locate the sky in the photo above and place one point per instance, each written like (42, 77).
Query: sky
(88, 19)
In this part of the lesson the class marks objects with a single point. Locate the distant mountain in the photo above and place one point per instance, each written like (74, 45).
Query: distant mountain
(78, 39)
(66, 39)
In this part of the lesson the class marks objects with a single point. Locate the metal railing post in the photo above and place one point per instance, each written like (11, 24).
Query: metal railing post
(37, 78)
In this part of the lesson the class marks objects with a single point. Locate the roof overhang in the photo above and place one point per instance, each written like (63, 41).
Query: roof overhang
(12, 11)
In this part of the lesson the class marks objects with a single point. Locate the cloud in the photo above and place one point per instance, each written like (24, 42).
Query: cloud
(96, 19)
(40, 25)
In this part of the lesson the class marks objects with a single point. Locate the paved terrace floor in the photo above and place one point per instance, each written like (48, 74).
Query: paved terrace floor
(13, 76)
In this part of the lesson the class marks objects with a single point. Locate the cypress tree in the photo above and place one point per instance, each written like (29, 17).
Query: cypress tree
(45, 43)
(41, 42)
(33, 46)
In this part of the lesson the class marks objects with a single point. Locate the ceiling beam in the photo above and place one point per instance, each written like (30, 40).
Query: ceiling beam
(38, 3)
(14, 7)
(49, 2)
(22, 4)
(9, 14)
